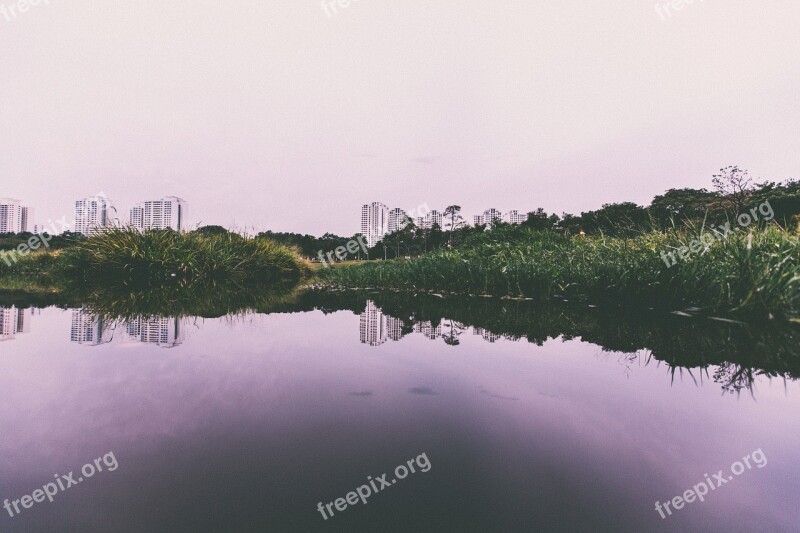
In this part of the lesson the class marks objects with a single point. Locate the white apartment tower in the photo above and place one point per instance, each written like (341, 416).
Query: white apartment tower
(374, 222)
(398, 219)
(15, 218)
(514, 217)
(488, 217)
(166, 213)
(91, 214)
(430, 219)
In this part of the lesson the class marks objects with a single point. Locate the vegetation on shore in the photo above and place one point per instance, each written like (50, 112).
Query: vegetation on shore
(124, 257)
(755, 273)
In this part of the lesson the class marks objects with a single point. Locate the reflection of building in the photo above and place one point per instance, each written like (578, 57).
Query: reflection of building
(486, 334)
(394, 327)
(373, 326)
(167, 213)
(15, 218)
(89, 329)
(427, 329)
(374, 222)
(13, 321)
(165, 332)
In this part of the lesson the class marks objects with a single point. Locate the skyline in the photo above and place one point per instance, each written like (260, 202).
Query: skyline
(295, 120)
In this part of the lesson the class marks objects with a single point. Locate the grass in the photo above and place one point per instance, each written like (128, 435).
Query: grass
(756, 274)
(128, 258)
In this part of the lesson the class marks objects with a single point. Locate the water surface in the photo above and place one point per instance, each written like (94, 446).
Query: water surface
(532, 418)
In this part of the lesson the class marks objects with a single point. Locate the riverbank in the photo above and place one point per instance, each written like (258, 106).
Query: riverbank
(755, 274)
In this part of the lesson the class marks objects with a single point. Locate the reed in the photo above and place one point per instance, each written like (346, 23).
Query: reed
(125, 257)
(754, 273)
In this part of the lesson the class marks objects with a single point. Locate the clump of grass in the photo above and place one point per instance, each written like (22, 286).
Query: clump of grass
(757, 273)
(126, 257)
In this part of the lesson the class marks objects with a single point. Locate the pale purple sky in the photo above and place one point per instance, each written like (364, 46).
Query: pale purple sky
(273, 115)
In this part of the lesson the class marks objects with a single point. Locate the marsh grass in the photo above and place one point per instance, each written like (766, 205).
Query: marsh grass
(754, 273)
(125, 257)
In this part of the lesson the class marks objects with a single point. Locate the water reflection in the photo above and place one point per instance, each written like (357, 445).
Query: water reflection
(730, 354)
(14, 321)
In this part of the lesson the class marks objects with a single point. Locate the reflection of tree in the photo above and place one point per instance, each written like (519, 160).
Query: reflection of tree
(456, 329)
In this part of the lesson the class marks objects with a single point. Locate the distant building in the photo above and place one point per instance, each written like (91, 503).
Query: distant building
(374, 222)
(166, 213)
(398, 219)
(488, 217)
(15, 218)
(514, 217)
(432, 218)
(91, 214)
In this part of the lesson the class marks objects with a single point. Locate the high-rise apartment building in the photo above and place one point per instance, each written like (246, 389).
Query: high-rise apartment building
(92, 214)
(374, 222)
(488, 217)
(166, 213)
(430, 219)
(398, 219)
(515, 217)
(15, 218)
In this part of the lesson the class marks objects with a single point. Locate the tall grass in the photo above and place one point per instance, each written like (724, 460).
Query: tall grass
(756, 273)
(127, 257)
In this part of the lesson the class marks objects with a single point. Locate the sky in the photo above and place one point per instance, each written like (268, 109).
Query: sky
(289, 116)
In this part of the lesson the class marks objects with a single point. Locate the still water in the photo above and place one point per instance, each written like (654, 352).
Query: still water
(513, 417)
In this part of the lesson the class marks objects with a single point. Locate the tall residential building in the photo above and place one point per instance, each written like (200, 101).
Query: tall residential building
(398, 219)
(488, 217)
(514, 217)
(430, 218)
(166, 213)
(15, 218)
(91, 214)
(374, 222)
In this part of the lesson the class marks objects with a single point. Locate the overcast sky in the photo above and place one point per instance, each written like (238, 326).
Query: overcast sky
(274, 115)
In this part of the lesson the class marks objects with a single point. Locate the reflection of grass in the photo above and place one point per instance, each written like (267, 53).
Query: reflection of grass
(124, 257)
(759, 277)
(206, 301)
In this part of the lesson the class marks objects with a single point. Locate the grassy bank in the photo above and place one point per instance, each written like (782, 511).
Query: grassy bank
(756, 274)
(128, 258)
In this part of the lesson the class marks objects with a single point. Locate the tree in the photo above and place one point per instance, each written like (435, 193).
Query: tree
(735, 186)
(680, 205)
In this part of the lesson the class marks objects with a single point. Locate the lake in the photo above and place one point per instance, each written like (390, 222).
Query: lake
(484, 414)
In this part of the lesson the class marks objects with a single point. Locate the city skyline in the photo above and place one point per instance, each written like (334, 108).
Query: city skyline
(564, 108)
